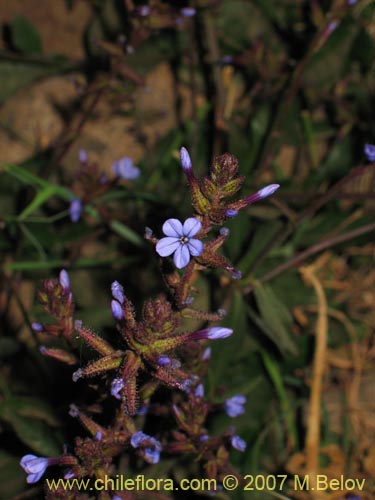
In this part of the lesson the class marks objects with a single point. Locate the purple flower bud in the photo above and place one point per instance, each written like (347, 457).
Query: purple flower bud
(118, 291)
(64, 279)
(207, 354)
(238, 443)
(116, 497)
(98, 436)
(369, 150)
(42, 349)
(212, 333)
(224, 231)
(35, 467)
(204, 438)
(77, 375)
(69, 475)
(78, 324)
(117, 311)
(143, 10)
(164, 360)
(227, 59)
(148, 232)
(82, 156)
(188, 12)
(352, 2)
(75, 209)
(199, 391)
(222, 312)
(234, 406)
(185, 160)
(331, 27)
(73, 411)
(143, 410)
(231, 213)
(268, 190)
(236, 274)
(152, 455)
(37, 327)
(189, 300)
(116, 387)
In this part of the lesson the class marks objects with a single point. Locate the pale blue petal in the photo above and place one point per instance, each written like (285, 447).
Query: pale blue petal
(195, 247)
(191, 227)
(181, 257)
(166, 246)
(173, 227)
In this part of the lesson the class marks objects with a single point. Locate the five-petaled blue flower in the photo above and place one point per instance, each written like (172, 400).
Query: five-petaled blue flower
(150, 446)
(179, 240)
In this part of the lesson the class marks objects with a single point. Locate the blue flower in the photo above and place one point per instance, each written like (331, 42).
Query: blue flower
(180, 241)
(164, 360)
(118, 291)
(125, 169)
(75, 209)
(235, 406)
(369, 150)
(212, 333)
(151, 447)
(34, 466)
(116, 387)
(117, 311)
(238, 443)
(64, 279)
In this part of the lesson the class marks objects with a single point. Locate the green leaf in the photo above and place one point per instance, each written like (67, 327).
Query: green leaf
(25, 36)
(12, 478)
(126, 233)
(275, 375)
(35, 433)
(275, 320)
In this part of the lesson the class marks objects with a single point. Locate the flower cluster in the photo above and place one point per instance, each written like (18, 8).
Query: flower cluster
(153, 350)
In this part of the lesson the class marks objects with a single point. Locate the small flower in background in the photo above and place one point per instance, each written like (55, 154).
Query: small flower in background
(64, 279)
(82, 156)
(75, 209)
(207, 354)
(230, 213)
(369, 151)
(151, 446)
(143, 10)
(199, 391)
(238, 443)
(180, 241)
(69, 475)
(98, 436)
(125, 169)
(116, 387)
(37, 327)
(188, 12)
(35, 467)
(234, 406)
(117, 311)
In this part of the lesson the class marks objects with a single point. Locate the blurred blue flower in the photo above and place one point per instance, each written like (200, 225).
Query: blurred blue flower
(34, 466)
(369, 150)
(125, 169)
(234, 406)
(238, 443)
(75, 209)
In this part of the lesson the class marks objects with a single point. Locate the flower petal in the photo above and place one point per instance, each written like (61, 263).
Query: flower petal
(192, 226)
(181, 257)
(173, 227)
(166, 246)
(195, 247)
